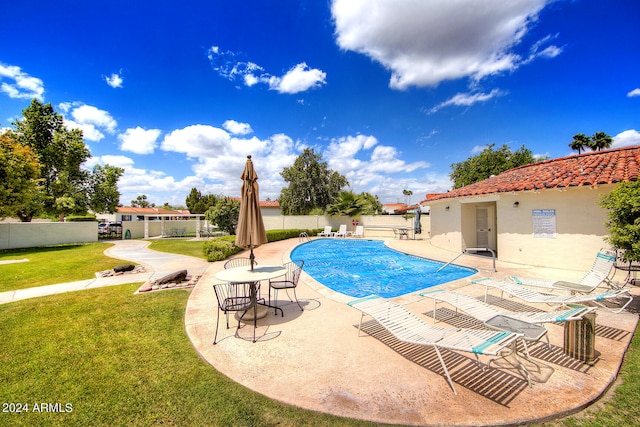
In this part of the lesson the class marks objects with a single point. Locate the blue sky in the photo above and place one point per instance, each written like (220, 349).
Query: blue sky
(389, 92)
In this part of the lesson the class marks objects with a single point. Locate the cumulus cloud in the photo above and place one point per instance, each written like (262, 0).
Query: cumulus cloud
(626, 138)
(635, 92)
(18, 84)
(237, 128)
(138, 140)
(114, 80)
(235, 67)
(425, 43)
(467, 99)
(370, 166)
(91, 120)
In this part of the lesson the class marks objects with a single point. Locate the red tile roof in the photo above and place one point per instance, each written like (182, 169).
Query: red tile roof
(264, 203)
(151, 211)
(593, 168)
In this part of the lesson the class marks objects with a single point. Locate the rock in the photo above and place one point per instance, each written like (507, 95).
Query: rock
(123, 268)
(176, 277)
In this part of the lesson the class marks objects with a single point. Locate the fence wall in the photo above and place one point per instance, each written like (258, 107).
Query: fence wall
(16, 235)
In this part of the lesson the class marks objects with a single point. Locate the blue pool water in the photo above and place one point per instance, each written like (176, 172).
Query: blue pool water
(363, 267)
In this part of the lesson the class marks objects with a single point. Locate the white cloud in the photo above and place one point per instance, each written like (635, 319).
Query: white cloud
(467, 99)
(237, 128)
(20, 85)
(426, 42)
(114, 80)
(299, 79)
(138, 140)
(235, 67)
(626, 138)
(635, 92)
(91, 120)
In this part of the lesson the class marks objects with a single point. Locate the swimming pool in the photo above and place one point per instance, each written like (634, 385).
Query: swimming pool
(363, 267)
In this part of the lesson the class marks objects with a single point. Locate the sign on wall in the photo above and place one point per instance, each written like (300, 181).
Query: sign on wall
(544, 223)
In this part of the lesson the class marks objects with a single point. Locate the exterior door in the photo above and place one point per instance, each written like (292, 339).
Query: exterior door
(484, 227)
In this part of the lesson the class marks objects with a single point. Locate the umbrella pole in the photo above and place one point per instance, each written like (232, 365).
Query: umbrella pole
(252, 258)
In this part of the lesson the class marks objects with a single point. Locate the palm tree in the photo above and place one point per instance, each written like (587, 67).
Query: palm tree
(580, 141)
(407, 196)
(600, 141)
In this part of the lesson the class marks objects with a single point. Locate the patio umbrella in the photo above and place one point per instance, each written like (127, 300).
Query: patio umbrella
(250, 232)
(417, 228)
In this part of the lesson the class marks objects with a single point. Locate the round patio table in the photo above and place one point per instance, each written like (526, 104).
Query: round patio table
(244, 274)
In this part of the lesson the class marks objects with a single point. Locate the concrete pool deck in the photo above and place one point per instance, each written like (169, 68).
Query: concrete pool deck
(314, 359)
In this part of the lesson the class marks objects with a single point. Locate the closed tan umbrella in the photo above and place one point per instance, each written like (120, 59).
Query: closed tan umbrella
(250, 232)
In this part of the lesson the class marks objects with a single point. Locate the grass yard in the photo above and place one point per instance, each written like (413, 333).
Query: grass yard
(179, 246)
(114, 358)
(54, 264)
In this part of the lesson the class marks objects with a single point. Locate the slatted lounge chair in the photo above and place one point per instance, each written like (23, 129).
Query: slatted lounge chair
(327, 232)
(408, 327)
(530, 295)
(598, 274)
(359, 231)
(342, 231)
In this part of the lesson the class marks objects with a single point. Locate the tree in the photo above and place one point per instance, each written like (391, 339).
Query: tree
(349, 204)
(104, 194)
(20, 189)
(312, 185)
(199, 204)
(600, 141)
(580, 142)
(407, 196)
(488, 163)
(142, 202)
(623, 204)
(67, 186)
(225, 214)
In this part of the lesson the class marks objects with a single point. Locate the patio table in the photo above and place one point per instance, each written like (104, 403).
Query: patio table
(244, 274)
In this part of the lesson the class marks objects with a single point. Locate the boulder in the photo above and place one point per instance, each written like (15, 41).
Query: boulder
(176, 277)
(123, 268)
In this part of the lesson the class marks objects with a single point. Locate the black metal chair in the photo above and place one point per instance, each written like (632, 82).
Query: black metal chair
(234, 297)
(239, 262)
(290, 281)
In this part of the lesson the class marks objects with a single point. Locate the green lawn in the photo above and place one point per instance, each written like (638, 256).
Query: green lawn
(117, 358)
(179, 246)
(122, 359)
(54, 264)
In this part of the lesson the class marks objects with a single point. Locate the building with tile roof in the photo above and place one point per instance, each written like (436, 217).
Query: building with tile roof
(545, 213)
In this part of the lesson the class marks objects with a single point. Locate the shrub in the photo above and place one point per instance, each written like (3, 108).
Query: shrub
(80, 218)
(219, 249)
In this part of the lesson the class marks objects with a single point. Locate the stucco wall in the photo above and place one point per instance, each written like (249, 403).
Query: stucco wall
(580, 228)
(33, 234)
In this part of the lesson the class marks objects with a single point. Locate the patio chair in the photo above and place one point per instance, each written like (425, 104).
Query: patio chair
(290, 281)
(239, 262)
(342, 231)
(409, 328)
(598, 274)
(234, 297)
(532, 296)
(327, 232)
(359, 231)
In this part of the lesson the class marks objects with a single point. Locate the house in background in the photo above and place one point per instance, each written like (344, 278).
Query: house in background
(545, 213)
(127, 213)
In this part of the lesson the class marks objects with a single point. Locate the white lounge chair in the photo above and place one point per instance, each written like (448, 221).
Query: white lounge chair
(342, 231)
(598, 273)
(408, 327)
(483, 311)
(530, 295)
(359, 231)
(327, 232)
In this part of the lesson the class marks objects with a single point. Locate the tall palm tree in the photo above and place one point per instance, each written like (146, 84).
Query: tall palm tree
(600, 141)
(580, 142)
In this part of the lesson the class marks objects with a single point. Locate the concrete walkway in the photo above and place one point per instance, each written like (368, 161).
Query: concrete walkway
(157, 264)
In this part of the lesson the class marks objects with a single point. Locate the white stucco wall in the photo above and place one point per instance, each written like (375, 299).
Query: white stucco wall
(33, 234)
(580, 226)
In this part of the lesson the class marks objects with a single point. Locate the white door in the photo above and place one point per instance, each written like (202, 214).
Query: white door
(484, 227)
